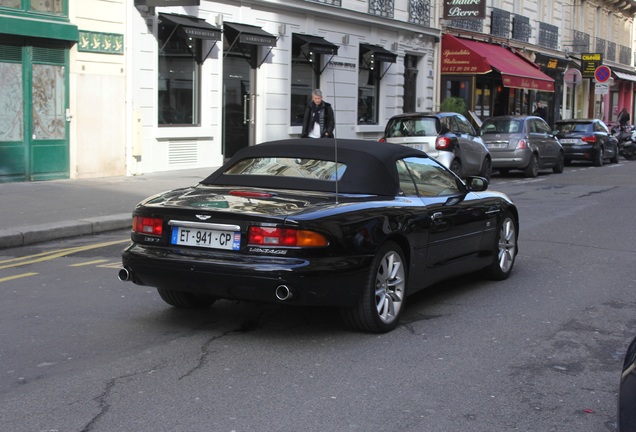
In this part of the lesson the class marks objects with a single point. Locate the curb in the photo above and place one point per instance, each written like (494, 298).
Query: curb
(57, 230)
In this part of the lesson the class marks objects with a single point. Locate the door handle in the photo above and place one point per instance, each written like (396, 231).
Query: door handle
(246, 101)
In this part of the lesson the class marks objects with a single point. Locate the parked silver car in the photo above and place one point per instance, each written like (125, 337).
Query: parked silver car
(522, 142)
(447, 137)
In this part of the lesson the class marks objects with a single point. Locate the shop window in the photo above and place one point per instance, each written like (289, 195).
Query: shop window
(179, 77)
(53, 7)
(374, 62)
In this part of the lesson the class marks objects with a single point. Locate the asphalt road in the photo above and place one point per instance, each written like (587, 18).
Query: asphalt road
(542, 351)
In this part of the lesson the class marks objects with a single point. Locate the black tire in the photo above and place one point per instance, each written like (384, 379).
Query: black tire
(186, 300)
(598, 157)
(505, 248)
(456, 167)
(504, 171)
(384, 295)
(532, 170)
(558, 168)
(614, 159)
(486, 169)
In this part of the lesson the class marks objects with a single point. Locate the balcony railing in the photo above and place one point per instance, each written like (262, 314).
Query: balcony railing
(420, 12)
(601, 46)
(500, 23)
(548, 36)
(383, 8)
(475, 25)
(580, 42)
(625, 55)
(521, 29)
(329, 2)
(611, 51)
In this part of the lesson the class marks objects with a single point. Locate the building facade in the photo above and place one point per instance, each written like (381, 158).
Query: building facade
(96, 88)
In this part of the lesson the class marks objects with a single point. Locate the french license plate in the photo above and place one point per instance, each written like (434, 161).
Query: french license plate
(497, 145)
(569, 141)
(214, 239)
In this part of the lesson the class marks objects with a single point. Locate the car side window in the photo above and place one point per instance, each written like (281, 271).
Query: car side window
(464, 126)
(407, 186)
(430, 178)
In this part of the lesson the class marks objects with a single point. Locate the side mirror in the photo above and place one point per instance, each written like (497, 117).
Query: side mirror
(627, 391)
(476, 184)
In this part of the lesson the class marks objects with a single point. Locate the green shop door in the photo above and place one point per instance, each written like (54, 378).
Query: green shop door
(34, 141)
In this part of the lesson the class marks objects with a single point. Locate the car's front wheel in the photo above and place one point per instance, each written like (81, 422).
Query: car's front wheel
(185, 300)
(505, 249)
(486, 169)
(384, 294)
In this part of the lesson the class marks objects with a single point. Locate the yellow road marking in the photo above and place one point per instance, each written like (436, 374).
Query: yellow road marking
(113, 265)
(88, 263)
(16, 277)
(47, 256)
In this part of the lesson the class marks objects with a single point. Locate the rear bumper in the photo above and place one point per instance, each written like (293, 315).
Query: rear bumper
(584, 152)
(319, 281)
(510, 159)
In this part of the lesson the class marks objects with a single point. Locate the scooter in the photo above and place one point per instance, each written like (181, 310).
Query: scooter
(626, 141)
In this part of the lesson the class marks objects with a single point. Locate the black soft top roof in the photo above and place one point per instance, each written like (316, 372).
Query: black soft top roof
(370, 165)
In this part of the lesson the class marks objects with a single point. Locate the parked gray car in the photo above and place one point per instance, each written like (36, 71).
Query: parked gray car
(447, 137)
(523, 143)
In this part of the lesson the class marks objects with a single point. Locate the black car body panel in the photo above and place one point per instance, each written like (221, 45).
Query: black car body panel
(442, 236)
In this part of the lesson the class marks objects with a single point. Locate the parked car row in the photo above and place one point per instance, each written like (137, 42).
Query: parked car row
(503, 143)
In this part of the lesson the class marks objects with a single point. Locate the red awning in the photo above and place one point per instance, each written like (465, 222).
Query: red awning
(463, 56)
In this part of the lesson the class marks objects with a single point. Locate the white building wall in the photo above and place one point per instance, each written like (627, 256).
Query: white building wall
(347, 27)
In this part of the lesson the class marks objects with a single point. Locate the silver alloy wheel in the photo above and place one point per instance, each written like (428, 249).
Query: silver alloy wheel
(389, 287)
(507, 245)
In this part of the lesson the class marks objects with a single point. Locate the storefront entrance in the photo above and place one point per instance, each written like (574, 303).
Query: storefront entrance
(34, 143)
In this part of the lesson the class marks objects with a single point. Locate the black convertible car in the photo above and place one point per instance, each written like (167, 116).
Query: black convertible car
(353, 224)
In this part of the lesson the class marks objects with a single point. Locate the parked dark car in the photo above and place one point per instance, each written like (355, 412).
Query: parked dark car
(523, 143)
(447, 137)
(352, 224)
(586, 140)
(627, 392)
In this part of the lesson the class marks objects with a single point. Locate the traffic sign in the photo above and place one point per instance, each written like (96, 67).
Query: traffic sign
(601, 88)
(573, 77)
(602, 74)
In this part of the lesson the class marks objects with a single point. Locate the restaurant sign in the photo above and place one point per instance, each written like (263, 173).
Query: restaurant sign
(454, 9)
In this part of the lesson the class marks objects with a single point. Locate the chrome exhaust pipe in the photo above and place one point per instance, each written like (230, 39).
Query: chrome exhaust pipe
(125, 274)
(283, 292)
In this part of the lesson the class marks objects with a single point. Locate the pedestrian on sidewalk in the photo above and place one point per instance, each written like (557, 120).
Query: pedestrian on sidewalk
(318, 121)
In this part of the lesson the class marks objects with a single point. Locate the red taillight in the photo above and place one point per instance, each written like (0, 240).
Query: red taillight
(443, 143)
(589, 139)
(251, 194)
(522, 144)
(269, 236)
(382, 139)
(147, 225)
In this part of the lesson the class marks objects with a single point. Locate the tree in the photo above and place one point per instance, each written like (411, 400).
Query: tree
(453, 104)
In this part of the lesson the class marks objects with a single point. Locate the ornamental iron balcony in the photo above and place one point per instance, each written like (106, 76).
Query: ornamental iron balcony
(625, 55)
(548, 36)
(580, 42)
(521, 29)
(611, 51)
(475, 25)
(601, 45)
(500, 23)
(420, 12)
(383, 8)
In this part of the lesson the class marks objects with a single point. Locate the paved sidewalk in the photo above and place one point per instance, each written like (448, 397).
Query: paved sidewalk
(32, 212)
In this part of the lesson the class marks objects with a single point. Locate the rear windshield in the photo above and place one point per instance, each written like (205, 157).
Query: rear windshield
(502, 126)
(289, 167)
(406, 127)
(573, 127)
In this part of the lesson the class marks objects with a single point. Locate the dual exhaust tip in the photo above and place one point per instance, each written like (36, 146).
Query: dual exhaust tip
(282, 292)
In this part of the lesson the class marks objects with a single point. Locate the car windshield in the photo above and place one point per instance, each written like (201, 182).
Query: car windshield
(411, 126)
(289, 167)
(502, 126)
(573, 127)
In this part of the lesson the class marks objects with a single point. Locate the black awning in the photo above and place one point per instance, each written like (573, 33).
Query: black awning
(193, 27)
(378, 53)
(248, 34)
(551, 62)
(315, 44)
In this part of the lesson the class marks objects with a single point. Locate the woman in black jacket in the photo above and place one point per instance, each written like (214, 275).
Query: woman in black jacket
(318, 121)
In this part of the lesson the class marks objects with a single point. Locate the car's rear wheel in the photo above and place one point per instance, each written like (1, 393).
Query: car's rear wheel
(614, 160)
(456, 167)
(505, 249)
(598, 157)
(532, 170)
(558, 168)
(384, 294)
(185, 300)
